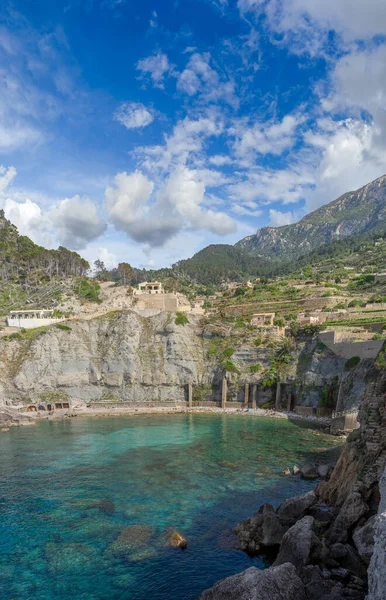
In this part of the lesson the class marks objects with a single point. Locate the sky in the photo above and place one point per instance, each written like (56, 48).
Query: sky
(142, 131)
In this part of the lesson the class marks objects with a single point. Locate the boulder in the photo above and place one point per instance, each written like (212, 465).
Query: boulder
(309, 472)
(364, 540)
(323, 471)
(275, 583)
(176, 540)
(351, 511)
(347, 558)
(317, 585)
(295, 508)
(299, 545)
(286, 471)
(262, 529)
(107, 507)
(296, 470)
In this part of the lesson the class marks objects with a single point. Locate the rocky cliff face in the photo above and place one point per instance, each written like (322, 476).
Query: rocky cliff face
(353, 213)
(120, 356)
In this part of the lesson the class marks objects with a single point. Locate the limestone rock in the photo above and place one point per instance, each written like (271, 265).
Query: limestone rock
(308, 472)
(300, 545)
(295, 508)
(323, 471)
(352, 510)
(296, 470)
(262, 529)
(377, 571)
(364, 539)
(275, 583)
(286, 471)
(176, 540)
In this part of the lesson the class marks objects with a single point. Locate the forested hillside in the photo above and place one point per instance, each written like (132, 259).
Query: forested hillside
(26, 269)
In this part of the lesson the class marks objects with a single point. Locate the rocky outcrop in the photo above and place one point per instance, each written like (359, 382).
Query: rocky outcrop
(277, 583)
(377, 571)
(331, 533)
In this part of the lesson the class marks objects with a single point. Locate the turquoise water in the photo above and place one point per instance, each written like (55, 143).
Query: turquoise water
(69, 488)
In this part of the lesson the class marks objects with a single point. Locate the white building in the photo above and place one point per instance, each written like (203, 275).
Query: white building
(29, 319)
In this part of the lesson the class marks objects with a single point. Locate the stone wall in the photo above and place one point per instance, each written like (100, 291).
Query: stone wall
(365, 349)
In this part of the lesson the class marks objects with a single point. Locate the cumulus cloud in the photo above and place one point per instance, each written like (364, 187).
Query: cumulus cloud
(76, 222)
(177, 205)
(29, 220)
(156, 67)
(133, 115)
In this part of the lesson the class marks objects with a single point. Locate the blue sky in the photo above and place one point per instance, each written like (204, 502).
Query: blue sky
(143, 131)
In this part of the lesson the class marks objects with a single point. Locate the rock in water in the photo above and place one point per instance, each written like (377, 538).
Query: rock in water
(177, 540)
(286, 471)
(276, 583)
(308, 472)
(296, 470)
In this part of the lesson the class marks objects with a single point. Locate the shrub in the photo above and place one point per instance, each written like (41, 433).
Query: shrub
(356, 303)
(352, 362)
(258, 341)
(63, 327)
(240, 291)
(279, 322)
(228, 352)
(255, 368)
(14, 336)
(181, 319)
(239, 324)
(230, 367)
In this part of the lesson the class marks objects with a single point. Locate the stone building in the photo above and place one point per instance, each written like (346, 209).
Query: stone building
(261, 319)
(150, 287)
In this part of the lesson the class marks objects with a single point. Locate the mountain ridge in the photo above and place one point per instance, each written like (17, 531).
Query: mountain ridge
(351, 214)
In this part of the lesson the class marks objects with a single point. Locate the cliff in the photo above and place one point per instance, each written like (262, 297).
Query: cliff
(120, 356)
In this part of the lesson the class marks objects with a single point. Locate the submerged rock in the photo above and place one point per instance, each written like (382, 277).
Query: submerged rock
(107, 507)
(132, 542)
(70, 557)
(275, 583)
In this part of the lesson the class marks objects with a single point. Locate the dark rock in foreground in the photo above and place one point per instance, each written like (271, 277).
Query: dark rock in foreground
(276, 583)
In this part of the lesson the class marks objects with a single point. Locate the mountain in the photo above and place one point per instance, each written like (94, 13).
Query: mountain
(354, 213)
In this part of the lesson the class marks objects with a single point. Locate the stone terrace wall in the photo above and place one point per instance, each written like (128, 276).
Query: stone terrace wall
(347, 349)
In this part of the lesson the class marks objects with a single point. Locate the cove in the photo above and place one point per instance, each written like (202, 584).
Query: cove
(70, 488)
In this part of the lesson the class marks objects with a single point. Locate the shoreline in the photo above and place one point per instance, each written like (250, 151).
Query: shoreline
(29, 418)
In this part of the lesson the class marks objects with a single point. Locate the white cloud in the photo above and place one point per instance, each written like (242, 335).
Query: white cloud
(76, 222)
(305, 24)
(178, 204)
(133, 115)
(278, 218)
(7, 175)
(29, 220)
(200, 78)
(186, 143)
(265, 138)
(156, 67)
(109, 259)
